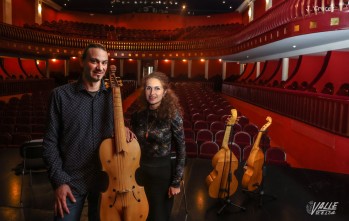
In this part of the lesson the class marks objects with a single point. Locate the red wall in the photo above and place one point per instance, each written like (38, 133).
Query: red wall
(56, 66)
(259, 8)
(276, 2)
(12, 67)
(42, 66)
(181, 68)
(254, 75)
(197, 69)
(292, 64)
(30, 68)
(165, 67)
(269, 69)
(3, 74)
(245, 19)
(232, 68)
(23, 11)
(1, 11)
(48, 13)
(337, 71)
(130, 66)
(215, 67)
(248, 70)
(310, 67)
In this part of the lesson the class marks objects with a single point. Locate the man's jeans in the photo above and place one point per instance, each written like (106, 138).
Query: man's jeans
(77, 207)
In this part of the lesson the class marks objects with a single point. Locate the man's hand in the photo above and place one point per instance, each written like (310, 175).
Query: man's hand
(61, 194)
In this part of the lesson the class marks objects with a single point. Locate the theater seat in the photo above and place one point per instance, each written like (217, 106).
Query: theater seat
(275, 156)
(208, 149)
(242, 138)
(203, 135)
(31, 153)
(343, 90)
(216, 126)
(235, 148)
(191, 149)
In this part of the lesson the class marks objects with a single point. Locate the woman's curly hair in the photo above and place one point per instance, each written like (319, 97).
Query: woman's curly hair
(169, 105)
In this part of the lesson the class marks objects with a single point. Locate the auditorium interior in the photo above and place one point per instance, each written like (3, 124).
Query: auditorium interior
(279, 66)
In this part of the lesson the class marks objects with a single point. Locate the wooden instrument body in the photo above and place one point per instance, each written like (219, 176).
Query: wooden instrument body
(253, 174)
(253, 170)
(223, 162)
(218, 178)
(124, 199)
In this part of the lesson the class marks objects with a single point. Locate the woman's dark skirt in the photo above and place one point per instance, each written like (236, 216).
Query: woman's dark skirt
(155, 175)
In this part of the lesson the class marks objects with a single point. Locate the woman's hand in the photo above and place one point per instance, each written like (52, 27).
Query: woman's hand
(129, 135)
(172, 191)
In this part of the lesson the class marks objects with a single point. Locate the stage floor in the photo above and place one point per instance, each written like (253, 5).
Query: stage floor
(298, 193)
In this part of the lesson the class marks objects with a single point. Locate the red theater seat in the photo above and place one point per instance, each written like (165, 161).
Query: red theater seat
(208, 149)
(275, 156)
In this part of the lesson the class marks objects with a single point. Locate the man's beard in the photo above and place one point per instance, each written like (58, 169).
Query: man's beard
(89, 78)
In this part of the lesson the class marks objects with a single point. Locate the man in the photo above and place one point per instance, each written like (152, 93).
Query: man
(80, 117)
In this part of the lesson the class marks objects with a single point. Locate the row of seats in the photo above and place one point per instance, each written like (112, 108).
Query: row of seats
(23, 118)
(204, 126)
(22, 86)
(241, 138)
(100, 31)
(208, 149)
(218, 123)
(217, 129)
(328, 88)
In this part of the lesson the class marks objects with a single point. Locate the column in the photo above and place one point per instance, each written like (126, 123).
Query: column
(242, 68)
(189, 68)
(206, 69)
(224, 70)
(172, 68)
(47, 68)
(156, 65)
(7, 11)
(121, 72)
(258, 69)
(285, 65)
(38, 11)
(66, 67)
(139, 71)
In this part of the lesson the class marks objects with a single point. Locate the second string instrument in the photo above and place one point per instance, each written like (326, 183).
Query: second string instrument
(253, 174)
(221, 181)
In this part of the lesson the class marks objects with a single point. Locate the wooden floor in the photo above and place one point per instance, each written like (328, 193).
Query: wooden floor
(297, 192)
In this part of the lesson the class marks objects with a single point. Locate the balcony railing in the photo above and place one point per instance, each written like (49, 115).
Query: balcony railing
(279, 22)
(328, 112)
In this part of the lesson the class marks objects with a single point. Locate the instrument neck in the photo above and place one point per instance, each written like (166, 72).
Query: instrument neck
(257, 140)
(119, 123)
(226, 137)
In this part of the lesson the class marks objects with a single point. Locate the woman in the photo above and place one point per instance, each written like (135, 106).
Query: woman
(158, 125)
